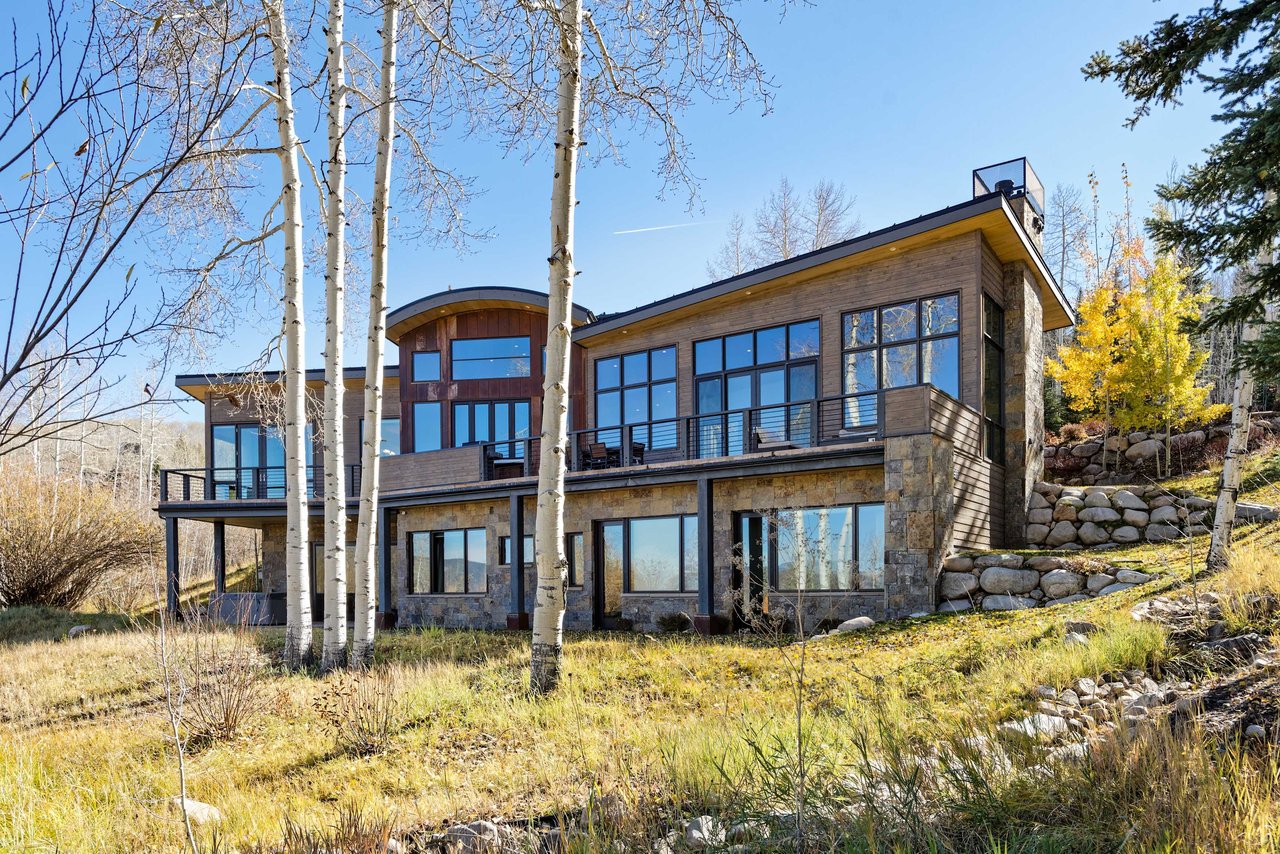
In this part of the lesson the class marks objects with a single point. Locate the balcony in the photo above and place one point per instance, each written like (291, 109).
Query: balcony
(257, 483)
(848, 419)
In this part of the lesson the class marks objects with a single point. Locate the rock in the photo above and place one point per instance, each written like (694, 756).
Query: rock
(1064, 512)
(1067, 600)
(1083, 627)
(1195, 502)
(703, 832)
(956, 585)
(1086, 449)
(1096, 499)
(1165, 516)
(1132, 576)
(1241, 646)
(1045, 563)
(1123, 499)
(1135, 438)
(395, 846)
(1004, 560)
(1142, 451)
(1040, 517)
(1037, 534)
(999, 579)
(1058, 583)
(856, 624)
(1075, 639)
(1255, 732)
(1036, 501)
(1136, 518)
(1162, 501)
(958, 563)
(1256, 512)
(1046, 692)
(747, 831)
(1007, 603)
(1126, 534)
(955, 606)
(1162, 533)
(1062, 533)
(76, 631)
(200, 813)
(1098, 514)
(1094, 583)
(1197, 531)
(1092, 535)
(1114, 588)
(1070, 547)
(1037, 727)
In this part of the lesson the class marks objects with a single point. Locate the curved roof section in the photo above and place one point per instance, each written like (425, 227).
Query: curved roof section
(459, 300)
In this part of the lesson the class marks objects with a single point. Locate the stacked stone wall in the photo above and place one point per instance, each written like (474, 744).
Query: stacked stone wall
(1101, 517)
(1011, 582)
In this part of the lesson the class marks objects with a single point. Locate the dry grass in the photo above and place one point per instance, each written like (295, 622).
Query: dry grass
(667, 725)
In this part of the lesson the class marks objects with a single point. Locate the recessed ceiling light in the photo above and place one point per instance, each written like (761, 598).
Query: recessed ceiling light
(748, 293)
(893, 249)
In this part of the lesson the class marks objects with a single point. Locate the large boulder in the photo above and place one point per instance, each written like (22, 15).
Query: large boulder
(954, 606)
(1041, 516)
(1007, 603)
(1165, 516)
(1256, 512)
(1096, 498)
(1126, 500)
(1098, 581)
(1126, 534)
(1085, 449)
(1132, 576)
(1136, 518)
(956, 585)
(1195, 502)
(856, 624)
(1114, 588)
(1162, 533)
(1001, 579)
(1099, 514)
(1038, 502)
(198, 812)
(1062, 533)
(1140, 452)
(1008, 560)
(958, 563)
(1036, 534)
(1067, 509)
(1092, 535)
(1061, 582)
(1044, 563)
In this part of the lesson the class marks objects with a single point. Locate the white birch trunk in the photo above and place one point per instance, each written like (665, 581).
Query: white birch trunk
(334, 653)
(371, 449)
(1224, 515)
(297, 648)
(548, 613)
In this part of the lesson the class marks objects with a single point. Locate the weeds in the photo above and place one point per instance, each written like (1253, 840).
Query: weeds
(361, 711)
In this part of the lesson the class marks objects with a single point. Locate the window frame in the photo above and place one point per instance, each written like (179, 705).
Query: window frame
(684, 572)
(439, 418)
(514, 442)
(399, 445)
(413, 366)
(854, 540)
(879, 345)
(649, 423)
(993, 438)
(435, 562)
(454, 361)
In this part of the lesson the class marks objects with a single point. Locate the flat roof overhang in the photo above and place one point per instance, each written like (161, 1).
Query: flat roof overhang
(201, 386)
(991, 214)
(445, 303)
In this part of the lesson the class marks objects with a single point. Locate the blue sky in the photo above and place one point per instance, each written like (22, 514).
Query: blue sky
(897, 101)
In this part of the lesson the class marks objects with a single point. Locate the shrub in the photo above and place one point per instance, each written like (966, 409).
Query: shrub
(227, 681)
(59, 539)
(361, 711)
(1095, 427)
(1071, 433)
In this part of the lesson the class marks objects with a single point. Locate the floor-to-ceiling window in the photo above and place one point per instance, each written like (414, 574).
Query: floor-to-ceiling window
(498, 421)
(898, 345)
(756, 387)
(993, 379)
(816, 549)
(638, 389)
(249, 461)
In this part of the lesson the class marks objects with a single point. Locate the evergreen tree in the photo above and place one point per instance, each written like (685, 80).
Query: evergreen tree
(1218, 208)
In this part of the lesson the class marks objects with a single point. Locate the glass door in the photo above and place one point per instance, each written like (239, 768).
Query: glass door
(608, 576)
(750, 569)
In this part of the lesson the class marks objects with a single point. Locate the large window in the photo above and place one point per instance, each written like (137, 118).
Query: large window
(249, 461)
(426, 426)
(638, 388)
(748, 378)
(656, 555)
(448, 561)
(389, 441)
(993, 378)
(818, 549)
(426, 366)
(489, 358)
(492, 421)
(899, 345)
(573, 551)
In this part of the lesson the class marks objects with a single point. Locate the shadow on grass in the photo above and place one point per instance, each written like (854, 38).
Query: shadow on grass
(33, 623)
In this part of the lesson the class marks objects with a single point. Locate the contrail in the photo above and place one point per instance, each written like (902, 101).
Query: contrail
(663, 227)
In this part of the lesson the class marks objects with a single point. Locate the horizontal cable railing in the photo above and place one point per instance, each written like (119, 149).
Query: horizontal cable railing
(244, 483)
(805, 424)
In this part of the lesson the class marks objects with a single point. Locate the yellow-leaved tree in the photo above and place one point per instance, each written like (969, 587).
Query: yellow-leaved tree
(1160, 362)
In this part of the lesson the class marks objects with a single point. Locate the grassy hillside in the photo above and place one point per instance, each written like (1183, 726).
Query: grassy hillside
(660, 727)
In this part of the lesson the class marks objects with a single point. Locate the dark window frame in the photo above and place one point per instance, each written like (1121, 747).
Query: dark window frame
(510, 447)
(439, 417)
(435, 561)
(575, 574)
(399, 445)
(993, 440)
(606, 431)
(756, 364)
(310, 454)
(504, 550)
(879, 345)
(684, 571)
(454, 361)
(772, 546)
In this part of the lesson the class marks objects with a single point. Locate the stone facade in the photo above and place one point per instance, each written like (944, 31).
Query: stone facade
(919, 512)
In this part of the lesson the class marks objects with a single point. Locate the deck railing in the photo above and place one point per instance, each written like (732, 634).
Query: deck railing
(244, 483)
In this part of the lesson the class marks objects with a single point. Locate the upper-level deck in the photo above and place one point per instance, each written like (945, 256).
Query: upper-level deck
(790, 360)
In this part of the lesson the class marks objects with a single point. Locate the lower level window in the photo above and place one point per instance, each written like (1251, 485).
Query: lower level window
(820, 548)
(448, 561)
(573, 551)
(657, 555)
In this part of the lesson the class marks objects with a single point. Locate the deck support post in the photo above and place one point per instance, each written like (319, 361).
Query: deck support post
(517, 614)
(172, 585)
(219, 557)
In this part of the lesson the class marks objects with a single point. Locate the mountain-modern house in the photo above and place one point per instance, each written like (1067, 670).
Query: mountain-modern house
(822, 431)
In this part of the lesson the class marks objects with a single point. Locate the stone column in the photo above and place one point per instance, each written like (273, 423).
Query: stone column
(1024, 397)
(919, 514)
